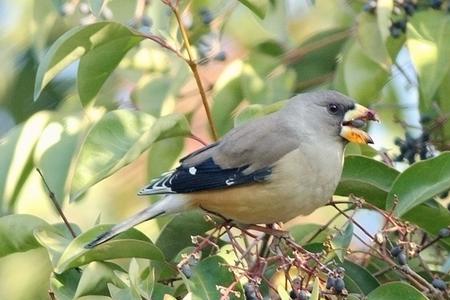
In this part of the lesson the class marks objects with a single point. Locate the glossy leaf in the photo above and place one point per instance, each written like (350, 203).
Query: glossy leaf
(341, 241)
(131, 243)
(420, 182)
(163, 155)
(207, 275)
(54, 241)
(303, 232)
(395, 291)
(360, 276)
(117, 140)
(56, 151)
(16, 233)
(429, 45)
(16, 152)
(258, 7)
(257, 110)
(65, 285)
(104, 43)
(367, 178)
(95, 278)
(176, 234)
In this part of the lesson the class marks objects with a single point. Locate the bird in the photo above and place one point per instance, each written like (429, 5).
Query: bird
(270, 169)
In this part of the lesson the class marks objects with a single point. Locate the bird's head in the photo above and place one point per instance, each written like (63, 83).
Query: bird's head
(330, 113)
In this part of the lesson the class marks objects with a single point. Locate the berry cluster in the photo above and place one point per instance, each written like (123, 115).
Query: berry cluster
(398, 252)
(403, 9)
(335, 281)
(411, 147)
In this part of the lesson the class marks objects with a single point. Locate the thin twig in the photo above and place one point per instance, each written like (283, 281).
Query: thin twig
(52, 197)
(193, 65)
(51, 294)
(198, 139)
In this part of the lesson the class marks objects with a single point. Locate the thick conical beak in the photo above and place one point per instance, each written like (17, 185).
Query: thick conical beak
(354, 120)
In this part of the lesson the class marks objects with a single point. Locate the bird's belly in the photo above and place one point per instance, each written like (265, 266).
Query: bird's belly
(290, 192)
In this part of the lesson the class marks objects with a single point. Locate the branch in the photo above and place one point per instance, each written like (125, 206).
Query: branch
(52, 197)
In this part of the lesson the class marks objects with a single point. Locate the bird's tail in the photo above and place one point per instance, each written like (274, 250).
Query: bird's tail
(169, 204)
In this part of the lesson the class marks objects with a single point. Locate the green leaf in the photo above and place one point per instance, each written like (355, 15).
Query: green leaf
(65, 285)
(258, 7)
(227, 96)
(367, 178)
(341, 241)
(363, 77)
(420, 182)
(395, 291)
(430, 218)
(176, 234)
(95, 278)
(372, 39)
(303, 232)
(131, 243)
(16, 150)
(117, 140)
(16, 233)
(429, 45)
(257, 110)
(103, 43)
(207, 276)
(56, 151)
(163, 155)
(50, 238)
(360, 276)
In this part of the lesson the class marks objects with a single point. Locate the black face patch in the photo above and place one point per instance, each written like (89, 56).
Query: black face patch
(207, 175)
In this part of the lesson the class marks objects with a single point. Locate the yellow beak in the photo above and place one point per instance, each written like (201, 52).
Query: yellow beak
(355, 119)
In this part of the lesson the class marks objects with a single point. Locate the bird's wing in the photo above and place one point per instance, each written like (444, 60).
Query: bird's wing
(245, 155)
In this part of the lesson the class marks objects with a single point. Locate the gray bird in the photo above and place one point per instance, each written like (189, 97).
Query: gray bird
(268, 170)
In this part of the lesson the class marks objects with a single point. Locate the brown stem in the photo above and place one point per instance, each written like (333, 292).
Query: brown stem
(51, 295)
(198, 139)
(52, 197)
(193, 65)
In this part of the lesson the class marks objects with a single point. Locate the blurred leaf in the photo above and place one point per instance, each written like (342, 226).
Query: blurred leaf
(160, 290)
(420, 182)
(227, 96)
(16, 233)
(360, 276)
(16, 149)
(118, 139)
(360, 149)
(55, 152)
(257, 110)
(125, 293)
(384, 13)
(429, 45)
(367, 178)
(65, 285)
(284, 295)
(112, 37)
(163, 155)
(176, 234)
(303, 232)
(131, 243)
(395, 291)
(444, 104)
(363, 78)
(208, 275)
(95, 278)
(54, 241)
(258, 7)
(152, 92)
(341, 241)
(315, 293)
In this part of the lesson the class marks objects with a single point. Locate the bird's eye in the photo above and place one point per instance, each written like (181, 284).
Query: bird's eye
(333, 108)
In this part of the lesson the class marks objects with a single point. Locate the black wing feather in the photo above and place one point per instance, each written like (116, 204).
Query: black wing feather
(206, 175)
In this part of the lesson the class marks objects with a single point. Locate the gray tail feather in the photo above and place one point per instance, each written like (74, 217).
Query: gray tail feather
(147, 214)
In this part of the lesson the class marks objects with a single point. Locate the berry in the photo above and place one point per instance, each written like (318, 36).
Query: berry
(339, 285)
(439, 284)
(370, 6)
(402, 258)
(293, 294)
(409, 8)
(207, 16)
(250, 291)
(186, 270)
(303, 295)
(436, 4)
(444, 195)
(396, 251)
(395, 31)
(444, 233)
(331, 281)
(221, 56)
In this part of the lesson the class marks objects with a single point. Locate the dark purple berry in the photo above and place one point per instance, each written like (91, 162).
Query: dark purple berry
(402, 258)
(436, 4)
(444, 233)
(409, 8)
(339, 285)
(221, 56)
(395, 32)
(250, 291)
(293, 294)
(396, 251)
(303, 295)
(439, 284)
(331, 281)
(186, 270)
(207, 16)
(370, 6)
